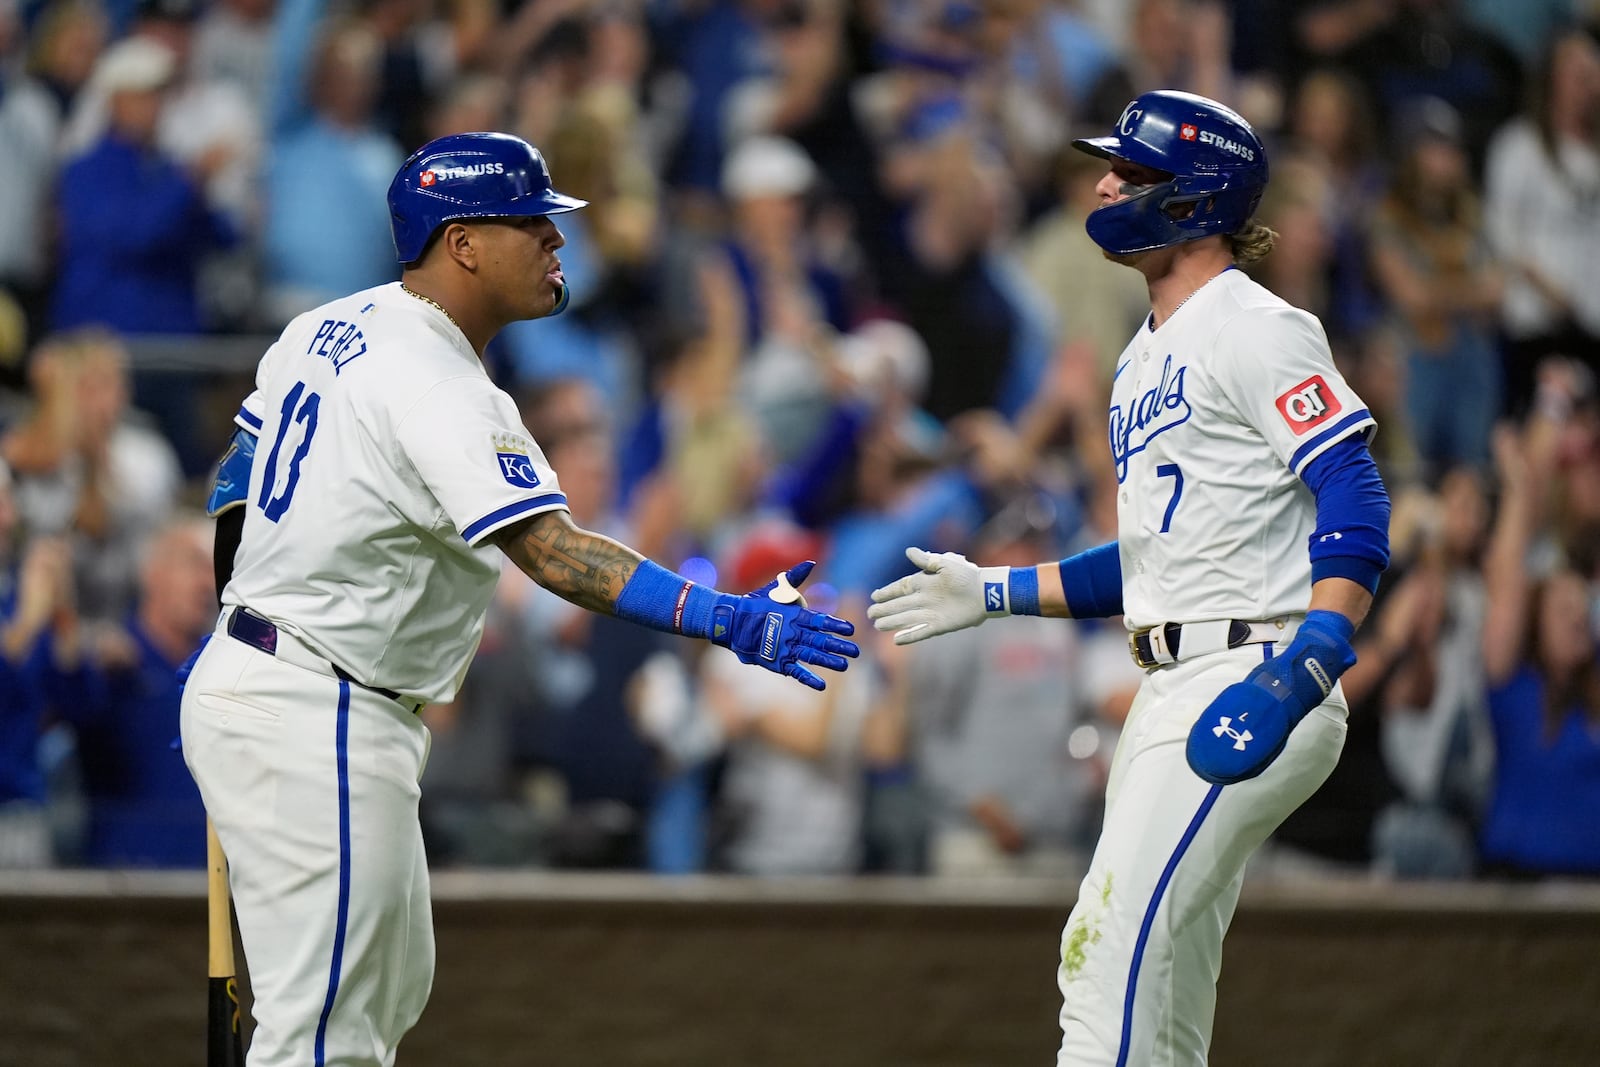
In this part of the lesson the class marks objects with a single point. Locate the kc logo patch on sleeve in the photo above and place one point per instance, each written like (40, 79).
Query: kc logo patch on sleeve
(1309, 405)
(516, 465)
(517, 469)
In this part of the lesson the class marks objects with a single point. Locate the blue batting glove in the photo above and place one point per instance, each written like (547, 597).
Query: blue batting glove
(771, 627)
(188, 664)
(1242, 731)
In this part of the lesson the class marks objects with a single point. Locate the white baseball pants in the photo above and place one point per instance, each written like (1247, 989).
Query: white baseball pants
(1142, 949)
(311, 782)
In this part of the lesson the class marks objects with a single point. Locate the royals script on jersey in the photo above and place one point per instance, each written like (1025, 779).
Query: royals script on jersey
(385, 458)
(1213, 417)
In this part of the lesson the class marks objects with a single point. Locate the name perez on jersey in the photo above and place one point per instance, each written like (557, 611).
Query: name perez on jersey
(338, 342)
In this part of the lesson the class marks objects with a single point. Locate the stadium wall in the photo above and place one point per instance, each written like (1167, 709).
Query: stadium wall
(624, 971)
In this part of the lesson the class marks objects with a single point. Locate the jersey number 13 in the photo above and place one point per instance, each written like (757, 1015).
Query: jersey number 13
(299, 414)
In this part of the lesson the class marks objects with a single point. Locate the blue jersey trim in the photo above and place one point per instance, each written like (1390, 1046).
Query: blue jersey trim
(248, 419)
(1337, 430)
(1150, 916)
(499, 517)
(341, 749)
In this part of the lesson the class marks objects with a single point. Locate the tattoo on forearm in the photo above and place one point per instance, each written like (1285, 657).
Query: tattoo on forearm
(585, 568)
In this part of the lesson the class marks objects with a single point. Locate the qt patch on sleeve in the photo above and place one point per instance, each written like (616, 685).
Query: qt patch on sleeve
(1308, 405)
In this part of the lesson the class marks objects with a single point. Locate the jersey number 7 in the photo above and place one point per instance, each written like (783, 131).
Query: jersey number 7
(296, 413)
(1170, 470)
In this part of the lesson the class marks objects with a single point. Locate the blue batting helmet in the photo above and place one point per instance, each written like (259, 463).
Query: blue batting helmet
(468, 176)
(1212, 158)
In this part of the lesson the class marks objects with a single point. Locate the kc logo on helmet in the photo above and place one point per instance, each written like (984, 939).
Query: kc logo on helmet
(1188, 132)
(1308, 405)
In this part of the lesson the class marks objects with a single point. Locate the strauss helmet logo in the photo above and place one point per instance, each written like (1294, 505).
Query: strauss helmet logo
(428, 178)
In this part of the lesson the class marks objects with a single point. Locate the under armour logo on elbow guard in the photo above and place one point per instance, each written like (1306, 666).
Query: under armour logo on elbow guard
(1241, 738)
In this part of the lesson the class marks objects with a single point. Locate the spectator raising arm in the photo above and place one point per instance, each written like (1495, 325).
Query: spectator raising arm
(1505, 563)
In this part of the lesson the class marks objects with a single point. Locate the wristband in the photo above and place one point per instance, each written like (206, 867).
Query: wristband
(658, 598)
(1023, 591)
(1009, 591)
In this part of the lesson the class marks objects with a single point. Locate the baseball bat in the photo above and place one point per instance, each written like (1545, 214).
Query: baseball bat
(224, 1043)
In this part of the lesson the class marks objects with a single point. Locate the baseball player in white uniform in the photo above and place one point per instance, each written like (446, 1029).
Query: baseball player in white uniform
(1252, 528)
(388, 476)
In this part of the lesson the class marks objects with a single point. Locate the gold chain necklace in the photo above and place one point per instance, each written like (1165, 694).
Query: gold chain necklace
(435, 303)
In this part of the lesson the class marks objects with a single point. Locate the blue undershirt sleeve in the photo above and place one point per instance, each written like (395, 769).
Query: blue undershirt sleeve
(1352, 535)
(1092, 581)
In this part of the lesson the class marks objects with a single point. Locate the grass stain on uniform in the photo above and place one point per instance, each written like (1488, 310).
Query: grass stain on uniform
(1086, 932)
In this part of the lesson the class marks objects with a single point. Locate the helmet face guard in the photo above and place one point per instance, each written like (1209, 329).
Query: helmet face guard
(1216, 164)
(1155, 217)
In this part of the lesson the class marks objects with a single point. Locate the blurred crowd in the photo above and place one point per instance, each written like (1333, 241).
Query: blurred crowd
(832, 298)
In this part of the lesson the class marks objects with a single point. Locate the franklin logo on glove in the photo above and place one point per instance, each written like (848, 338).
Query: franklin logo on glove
(769, 642)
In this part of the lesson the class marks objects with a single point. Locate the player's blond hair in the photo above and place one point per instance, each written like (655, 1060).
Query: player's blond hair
(1253, 242)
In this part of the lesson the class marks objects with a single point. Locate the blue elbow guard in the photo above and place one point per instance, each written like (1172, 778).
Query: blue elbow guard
(232, 483)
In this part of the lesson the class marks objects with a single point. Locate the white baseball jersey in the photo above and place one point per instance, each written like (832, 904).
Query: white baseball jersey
(386, 457)
(1213, 416)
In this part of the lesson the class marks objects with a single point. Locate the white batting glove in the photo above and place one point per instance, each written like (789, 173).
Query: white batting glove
(950, 593)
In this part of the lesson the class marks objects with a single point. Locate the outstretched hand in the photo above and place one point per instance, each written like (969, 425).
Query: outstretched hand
(771, 627)
(946, 593)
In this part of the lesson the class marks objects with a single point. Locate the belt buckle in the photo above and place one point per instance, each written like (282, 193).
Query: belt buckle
(1133, 648)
